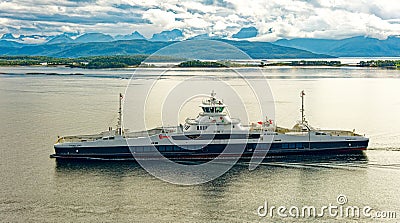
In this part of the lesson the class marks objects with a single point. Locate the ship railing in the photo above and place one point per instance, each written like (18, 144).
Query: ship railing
(327, 131)
(145, 133)
(340, 132)
(212, 114)
(79, 138)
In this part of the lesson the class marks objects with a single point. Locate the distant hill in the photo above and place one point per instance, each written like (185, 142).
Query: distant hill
(75, 44)
(202, 50)
(245, 33)
(94, 37)
(351, 47)
(8, 36)
(265, 50)
(6, 43)
(133, 36)
(173, 35)
(25, 39)
(62, 38)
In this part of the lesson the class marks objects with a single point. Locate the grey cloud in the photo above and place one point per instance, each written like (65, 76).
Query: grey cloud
(130, 7)
(220, 3)
(83, 1)
(273, 18)
(196, 11)
(111, 17)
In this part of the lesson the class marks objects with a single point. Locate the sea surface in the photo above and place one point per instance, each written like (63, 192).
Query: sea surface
(38, 104)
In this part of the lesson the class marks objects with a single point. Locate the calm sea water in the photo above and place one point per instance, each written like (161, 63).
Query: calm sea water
(35, 109)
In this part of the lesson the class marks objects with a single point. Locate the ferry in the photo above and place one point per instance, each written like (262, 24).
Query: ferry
(213, 134)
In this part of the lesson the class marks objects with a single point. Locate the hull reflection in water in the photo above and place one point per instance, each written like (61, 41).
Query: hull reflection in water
(355, 160)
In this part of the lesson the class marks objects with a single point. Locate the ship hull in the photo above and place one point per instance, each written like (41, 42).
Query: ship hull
(212, 151)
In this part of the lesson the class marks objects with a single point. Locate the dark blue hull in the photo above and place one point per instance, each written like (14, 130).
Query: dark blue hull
(212, 151)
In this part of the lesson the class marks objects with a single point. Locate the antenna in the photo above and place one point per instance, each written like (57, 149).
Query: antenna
(303, 117)
(213, 93)
(119, 124)
(212, 99)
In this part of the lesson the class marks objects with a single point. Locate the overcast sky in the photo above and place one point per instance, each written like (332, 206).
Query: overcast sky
(274, 19)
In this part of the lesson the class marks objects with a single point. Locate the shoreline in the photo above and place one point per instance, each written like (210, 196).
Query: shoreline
(142, 62)
(268, 66)
(124, 73)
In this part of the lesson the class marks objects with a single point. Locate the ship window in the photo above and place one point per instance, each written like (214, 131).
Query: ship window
(202, 127)
(292, 145)
(187, 127)
(206, 109)
(285, 146)
(161, 148)
(212, 109)
(177, 148)
(253, 136)
(250, 147)
(299, 145)
(219, 109)
(261, 146)
(168, 148)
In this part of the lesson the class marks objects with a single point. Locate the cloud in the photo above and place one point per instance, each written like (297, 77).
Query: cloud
(160, 18)
(273, 19)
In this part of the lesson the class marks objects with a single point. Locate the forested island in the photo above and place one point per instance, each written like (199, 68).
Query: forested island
(92, 62)
(388, 64)
(303, 63)
(394, 64)
(198, 63)
(123, 61)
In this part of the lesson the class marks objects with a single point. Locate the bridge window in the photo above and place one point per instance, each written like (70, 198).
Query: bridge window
(213, 109)
(206, 109)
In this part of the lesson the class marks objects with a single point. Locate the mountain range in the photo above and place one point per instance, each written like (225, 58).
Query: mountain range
(87, 44)
(358, 46)
(202, 49)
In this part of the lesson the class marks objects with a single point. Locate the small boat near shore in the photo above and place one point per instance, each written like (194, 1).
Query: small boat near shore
(207, 136)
